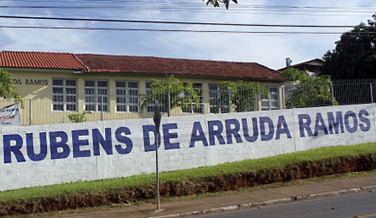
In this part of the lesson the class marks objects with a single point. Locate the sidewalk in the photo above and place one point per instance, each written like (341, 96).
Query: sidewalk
(229, 202)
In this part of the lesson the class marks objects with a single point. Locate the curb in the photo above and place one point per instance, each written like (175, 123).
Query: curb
(269, 202)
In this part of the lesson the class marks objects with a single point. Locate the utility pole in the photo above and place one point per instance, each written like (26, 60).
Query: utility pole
(157, 123)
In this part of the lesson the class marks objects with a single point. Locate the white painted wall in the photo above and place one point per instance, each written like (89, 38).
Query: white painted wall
(19, 170)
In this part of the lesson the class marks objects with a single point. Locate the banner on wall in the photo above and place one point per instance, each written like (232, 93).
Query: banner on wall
(10, 115)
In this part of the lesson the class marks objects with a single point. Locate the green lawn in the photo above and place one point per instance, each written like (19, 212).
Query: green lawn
(107, 185)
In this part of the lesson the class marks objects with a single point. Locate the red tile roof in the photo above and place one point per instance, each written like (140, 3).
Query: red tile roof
(40, 60)
(155, 65)
(94, 63)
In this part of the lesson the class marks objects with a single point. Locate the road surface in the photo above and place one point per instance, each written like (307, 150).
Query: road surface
(360, 205)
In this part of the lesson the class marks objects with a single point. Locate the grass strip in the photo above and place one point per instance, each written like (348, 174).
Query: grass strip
(108, 185)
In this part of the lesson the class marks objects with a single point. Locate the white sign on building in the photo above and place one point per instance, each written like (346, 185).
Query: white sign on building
(10, 115)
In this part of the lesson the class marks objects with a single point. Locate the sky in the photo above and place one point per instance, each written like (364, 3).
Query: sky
(263, 47)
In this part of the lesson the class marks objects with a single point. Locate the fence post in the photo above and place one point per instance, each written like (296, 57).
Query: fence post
(283, 97)
(370, 86)
(168, 103)
(229, 99)
(219, 102)
(332, 91)
(102, 115)
(30, 113)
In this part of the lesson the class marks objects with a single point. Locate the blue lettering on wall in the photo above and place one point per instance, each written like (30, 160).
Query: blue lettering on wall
(320, 125)
(147, 129)
(167, 136)
(233, 131)
(15, 149)
(335, 123)
(363, 114)
(215, 130)
(218, 132)
(58, 141)
(304, 125)
(351, 115)
(247, 137)
(42, 147)
(266, 135)
(282, 128)
(106, 142)
(123, 139)
(198, 135)
(77, 143)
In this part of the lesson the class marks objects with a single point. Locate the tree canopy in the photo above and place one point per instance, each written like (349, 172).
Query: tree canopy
(240, 94)
(308, 91)
(354, 56)
(7, 89)
(170, 91)
(216, 3)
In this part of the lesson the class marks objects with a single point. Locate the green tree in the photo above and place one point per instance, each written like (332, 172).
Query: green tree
(239, 94)
(7, 89)
(355, 54)
(79, 117)
(308, 91)
(171, 91)
(216, 3)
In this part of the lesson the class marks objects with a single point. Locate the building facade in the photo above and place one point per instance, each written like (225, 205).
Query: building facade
(312, 67)
(56, 85)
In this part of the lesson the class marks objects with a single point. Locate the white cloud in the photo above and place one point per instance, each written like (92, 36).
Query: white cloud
(46, 40)
(43, 39)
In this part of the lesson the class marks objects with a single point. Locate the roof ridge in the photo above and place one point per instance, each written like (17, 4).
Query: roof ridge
(169, 58)
(86, 68)
(41, 52)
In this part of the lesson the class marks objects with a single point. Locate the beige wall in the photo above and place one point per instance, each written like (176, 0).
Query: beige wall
(35, 86)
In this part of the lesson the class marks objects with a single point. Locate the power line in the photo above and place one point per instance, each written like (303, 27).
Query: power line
(173, 22)
(117, 5)
(185, 6)
(210, 11)
(61, 7)
(160, 8)
(181, 30)
(199, 5)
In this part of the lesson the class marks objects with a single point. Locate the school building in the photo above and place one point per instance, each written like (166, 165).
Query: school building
(55, 85)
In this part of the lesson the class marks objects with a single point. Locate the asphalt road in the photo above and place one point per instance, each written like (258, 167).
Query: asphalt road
(360, 205)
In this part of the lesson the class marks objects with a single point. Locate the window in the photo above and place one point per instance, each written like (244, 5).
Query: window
(151, 105)
(218, 99)
(64, 95)
(126, 96)
(191, 108)
(271, 103)
(96, 95)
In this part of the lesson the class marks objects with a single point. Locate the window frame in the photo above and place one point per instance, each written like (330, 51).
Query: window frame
(97, 104)
(127, 96)
(65, 95)
(271, 100)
